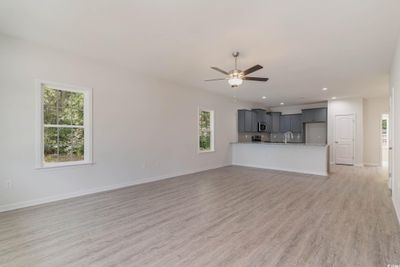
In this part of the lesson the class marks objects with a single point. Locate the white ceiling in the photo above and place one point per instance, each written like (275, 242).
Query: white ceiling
(345, 45)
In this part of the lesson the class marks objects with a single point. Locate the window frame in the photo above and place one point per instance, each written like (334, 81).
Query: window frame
(87, 124)
(212, 130)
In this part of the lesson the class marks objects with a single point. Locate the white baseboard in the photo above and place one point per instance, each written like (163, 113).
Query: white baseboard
(35, 202)
(322, 173)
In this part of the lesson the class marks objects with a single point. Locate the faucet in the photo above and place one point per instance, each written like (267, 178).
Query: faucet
(288, 135)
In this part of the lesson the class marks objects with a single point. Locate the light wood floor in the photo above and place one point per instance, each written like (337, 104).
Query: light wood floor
(232, 216)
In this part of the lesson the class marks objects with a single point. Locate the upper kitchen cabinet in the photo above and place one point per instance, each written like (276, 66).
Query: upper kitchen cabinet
(315, 115)
(247, 121)
(296, 123)
(269, 122)
(321, 115)
(241, 119)
(275, 117)
(261, 115)
(291, 122)
(284, 123)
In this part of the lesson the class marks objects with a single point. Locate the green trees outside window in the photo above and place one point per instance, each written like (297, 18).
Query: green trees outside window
(63, 133)
(206, 130)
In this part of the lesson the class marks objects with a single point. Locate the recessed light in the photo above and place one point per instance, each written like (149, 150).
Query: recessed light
(263, 97)
(333, 97)
(282, 103)
(324, 89)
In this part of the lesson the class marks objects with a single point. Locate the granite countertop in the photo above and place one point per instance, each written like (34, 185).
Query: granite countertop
(280, 143)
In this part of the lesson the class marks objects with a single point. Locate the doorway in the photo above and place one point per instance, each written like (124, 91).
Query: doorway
(384, 128)
(344, 139)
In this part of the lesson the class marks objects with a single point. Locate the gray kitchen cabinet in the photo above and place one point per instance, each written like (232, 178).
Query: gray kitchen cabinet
(284, 123)
(296, 123)
(254, 122)
(247, 121)
(291, 122)
(315, 115)
(275, 117)
(308, 115)
(268, 121)
(241, 120)
(321, 115)
(260, 114)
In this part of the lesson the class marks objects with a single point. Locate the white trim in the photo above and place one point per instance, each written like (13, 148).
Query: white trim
(63, 126)
(380, 139)
(212, 130)
(39, 123)
(283, 169)
(354, 137)
(87, 125)
(34, 202)
(64, 164)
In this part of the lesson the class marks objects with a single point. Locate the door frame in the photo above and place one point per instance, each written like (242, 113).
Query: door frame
(380, 139)
(354, 135)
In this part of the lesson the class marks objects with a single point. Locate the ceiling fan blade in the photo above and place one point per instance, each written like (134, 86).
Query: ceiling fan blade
(218, 69)
(252, 69)
(217, 79)
(255, 79)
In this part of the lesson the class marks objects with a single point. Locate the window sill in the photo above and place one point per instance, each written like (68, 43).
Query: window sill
(205, 151)
(64, 164)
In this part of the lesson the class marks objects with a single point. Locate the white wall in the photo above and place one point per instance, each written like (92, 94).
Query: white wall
(343, 107)
(395, 123)
(144, 128)
(296, 109)
(373, 110)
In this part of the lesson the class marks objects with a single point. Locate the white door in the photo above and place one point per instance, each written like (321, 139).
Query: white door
(344, 139)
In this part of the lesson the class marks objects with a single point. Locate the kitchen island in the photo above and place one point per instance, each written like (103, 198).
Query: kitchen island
(293, 157)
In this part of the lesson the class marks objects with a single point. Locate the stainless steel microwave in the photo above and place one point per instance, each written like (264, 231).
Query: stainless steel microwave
(262, 127)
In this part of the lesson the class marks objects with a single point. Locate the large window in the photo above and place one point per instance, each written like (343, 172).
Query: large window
(64, 129)
(206, 130)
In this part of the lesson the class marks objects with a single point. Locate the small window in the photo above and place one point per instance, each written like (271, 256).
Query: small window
(64, 128)
(206, 130)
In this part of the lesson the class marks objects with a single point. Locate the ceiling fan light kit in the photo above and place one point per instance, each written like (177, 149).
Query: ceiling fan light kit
(236, 76)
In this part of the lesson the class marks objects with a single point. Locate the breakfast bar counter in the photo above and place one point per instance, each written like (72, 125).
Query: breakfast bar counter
(293, 157)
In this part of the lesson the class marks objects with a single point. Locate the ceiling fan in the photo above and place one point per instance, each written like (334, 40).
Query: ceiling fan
(236, 77)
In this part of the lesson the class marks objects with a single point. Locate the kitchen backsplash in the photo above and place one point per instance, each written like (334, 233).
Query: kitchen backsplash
(246, 137)
(273, 137)
(280, 137)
